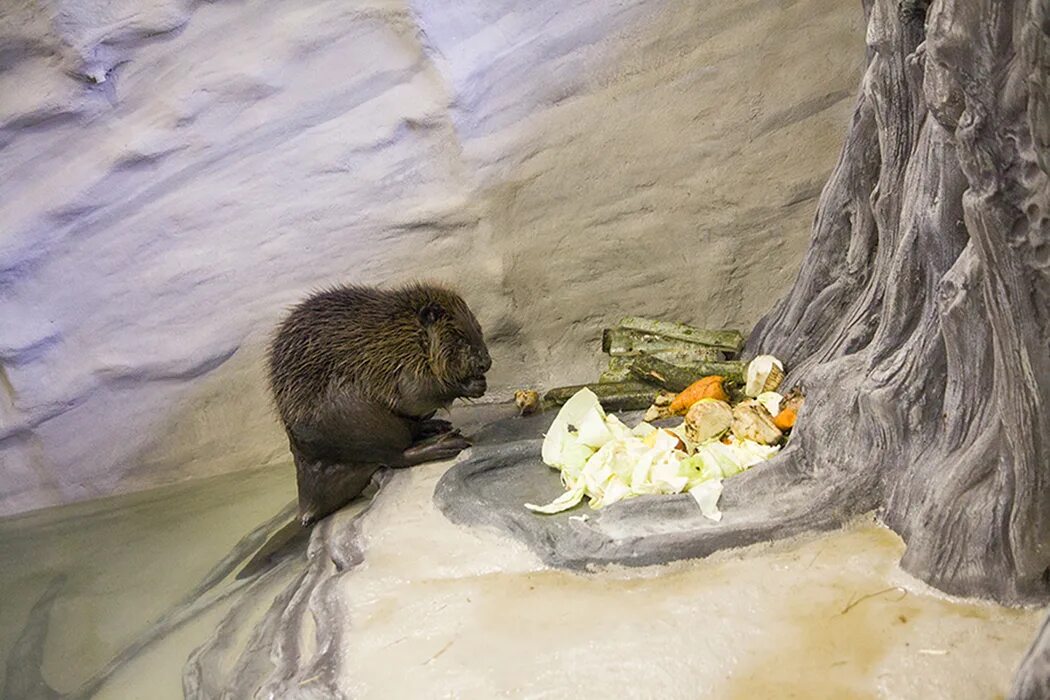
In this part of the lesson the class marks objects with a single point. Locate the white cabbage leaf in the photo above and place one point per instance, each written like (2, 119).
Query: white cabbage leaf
(601, 458)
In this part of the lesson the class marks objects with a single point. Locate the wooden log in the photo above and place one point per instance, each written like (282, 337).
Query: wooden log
(674, 378)
(728, 340)
(613, 396)
(686, 358)
(619, 370)
(621, 342)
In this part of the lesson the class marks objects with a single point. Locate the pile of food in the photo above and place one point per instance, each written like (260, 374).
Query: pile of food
(721, 424)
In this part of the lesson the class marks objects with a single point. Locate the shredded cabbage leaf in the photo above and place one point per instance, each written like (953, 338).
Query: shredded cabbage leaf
(601, 458)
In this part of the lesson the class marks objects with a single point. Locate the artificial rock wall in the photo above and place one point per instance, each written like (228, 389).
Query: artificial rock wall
(173, 174)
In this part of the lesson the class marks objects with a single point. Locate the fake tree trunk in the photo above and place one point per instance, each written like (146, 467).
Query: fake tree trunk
(920, 321)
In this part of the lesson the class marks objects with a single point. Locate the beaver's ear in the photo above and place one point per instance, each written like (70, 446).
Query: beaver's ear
(430, 314)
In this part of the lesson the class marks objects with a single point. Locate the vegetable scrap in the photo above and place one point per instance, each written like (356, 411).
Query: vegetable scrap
(708, 419)
(528, 402)
(764, 373)
(706, 388)
(605, 461)
(785, 420)
(728, 412)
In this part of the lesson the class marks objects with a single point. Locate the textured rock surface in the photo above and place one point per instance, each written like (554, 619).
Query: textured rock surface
(1032, 681)
(172, 173)
(918, 325)
(491, 487)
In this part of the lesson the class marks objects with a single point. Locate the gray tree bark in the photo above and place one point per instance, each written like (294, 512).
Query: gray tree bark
(919, 326)
(919, 323)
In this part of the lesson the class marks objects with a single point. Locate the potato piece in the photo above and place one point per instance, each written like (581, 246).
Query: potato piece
(707, 419)
(751, 421)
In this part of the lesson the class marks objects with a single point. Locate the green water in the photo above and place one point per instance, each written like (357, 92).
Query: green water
(118, 565)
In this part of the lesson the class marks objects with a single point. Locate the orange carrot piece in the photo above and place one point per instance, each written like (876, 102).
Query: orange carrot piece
(785, 420)
(706, 388)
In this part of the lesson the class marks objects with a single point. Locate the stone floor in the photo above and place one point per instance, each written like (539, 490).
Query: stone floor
(438, 610)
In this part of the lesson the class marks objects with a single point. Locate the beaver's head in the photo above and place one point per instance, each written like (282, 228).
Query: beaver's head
(458, 356)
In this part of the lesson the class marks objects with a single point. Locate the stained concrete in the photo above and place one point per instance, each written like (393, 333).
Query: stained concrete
(439, 611)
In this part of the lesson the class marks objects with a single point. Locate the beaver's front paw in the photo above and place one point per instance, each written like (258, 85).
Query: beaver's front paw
(430, 428)
(436, 448)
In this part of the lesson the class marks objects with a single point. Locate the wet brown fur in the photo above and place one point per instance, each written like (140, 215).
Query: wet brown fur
(356, 373)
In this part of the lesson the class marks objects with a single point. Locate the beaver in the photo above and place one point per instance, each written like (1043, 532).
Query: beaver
(357, 374)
